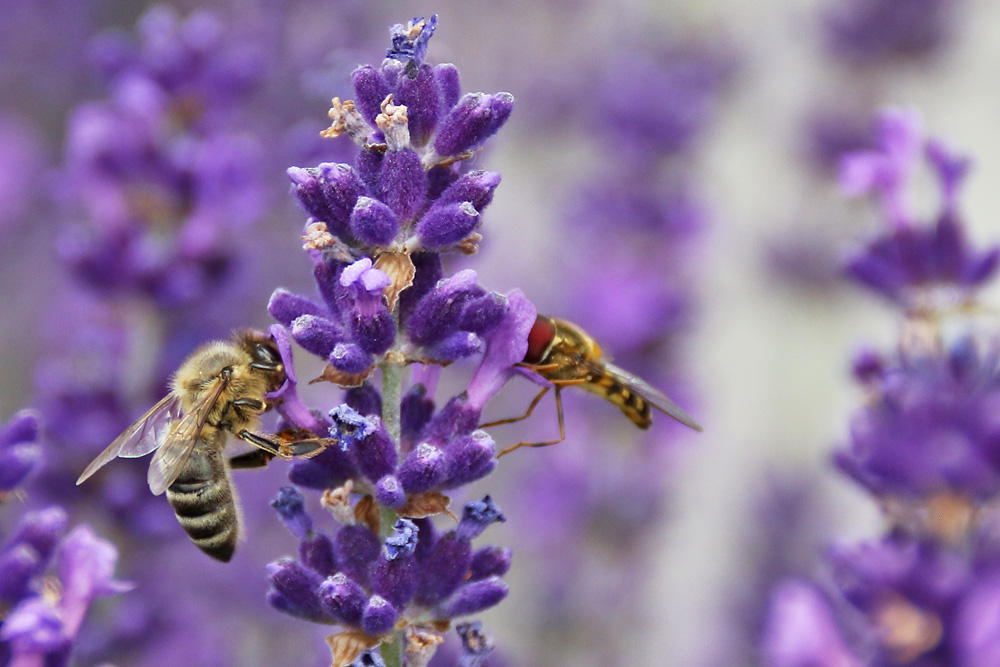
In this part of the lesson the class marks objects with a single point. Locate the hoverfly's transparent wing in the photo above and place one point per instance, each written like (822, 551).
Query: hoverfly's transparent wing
(140, 438)
(653, 396)
(180, 439)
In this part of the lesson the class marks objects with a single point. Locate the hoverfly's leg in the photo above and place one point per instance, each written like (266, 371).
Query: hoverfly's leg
(258, 458)
(562, 426)
(527, 414)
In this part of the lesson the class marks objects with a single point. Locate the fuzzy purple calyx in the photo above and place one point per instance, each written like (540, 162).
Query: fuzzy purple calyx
(443, 569)
(473, 597)
(379, 616)
(422, 469)
(291, 508)
(294, 591)
(317, 334)
(373, 222)
(375, 452)
(356, 548)
(490, 561)
(389, 492)
(343, 598)
(469, 458)
(447, 225)
(402, 183)
(474, 119)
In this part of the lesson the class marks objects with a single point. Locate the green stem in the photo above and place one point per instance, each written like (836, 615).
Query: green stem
(392, 652)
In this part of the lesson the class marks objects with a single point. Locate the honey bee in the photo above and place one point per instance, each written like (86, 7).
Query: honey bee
(564, 354)
(219, 389)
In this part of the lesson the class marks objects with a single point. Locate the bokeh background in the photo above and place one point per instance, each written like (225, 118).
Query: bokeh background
(756, 327)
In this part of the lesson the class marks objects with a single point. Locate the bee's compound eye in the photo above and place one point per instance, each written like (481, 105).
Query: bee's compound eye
(266, 353)
(539, 338)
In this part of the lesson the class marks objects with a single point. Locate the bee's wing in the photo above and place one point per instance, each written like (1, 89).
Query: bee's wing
(180, 439)
(653, 396)
(140, 438)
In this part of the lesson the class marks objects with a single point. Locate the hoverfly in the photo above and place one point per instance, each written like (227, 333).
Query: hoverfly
(564, 354)
(219, 389)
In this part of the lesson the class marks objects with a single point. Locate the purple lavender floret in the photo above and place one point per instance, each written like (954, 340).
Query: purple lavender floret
(409, 42)
(867, 32)
(931, 428)
(20, 455)
(160, 153)
(920, 266)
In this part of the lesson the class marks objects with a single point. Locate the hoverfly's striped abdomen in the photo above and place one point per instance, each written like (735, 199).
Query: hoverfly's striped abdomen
(204, 502)
(616, 392)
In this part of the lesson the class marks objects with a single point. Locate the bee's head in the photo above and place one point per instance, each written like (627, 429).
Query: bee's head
(264, 354)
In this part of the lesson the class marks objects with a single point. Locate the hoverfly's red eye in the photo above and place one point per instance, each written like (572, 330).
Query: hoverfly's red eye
(539, 338)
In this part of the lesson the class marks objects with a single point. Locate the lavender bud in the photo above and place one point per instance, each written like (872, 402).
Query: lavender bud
(328, 469)
(422, 469)
(316, 552)
(350, 358)
(356, 548)
(343, 598)
(491, 561)
(375, 453)
(41, 530)
(291, 507)
(365, 400)
(436, 315)
(470, 458)
(328, 193)
(286, 307)
(443, 569)
(294, 590)
(18, 566)
(446, 225)
(481, 314)
(426, 538)
(415, 411)
(370, 89)
(379, 616)
(473, 597)
(395, 579)
(317, 335)
(423, 103)
(475, 187)
(448, 82)
(475, 118)
(373, 222)
(458, 345)
(389, 492)
(402, 183)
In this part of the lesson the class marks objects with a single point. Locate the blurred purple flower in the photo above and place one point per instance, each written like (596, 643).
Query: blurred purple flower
(919, 266)
(867, 32)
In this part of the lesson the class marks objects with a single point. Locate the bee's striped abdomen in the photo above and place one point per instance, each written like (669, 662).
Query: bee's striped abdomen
(205, 505)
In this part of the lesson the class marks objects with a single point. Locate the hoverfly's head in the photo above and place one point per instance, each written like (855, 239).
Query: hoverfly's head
(540, 338)
(264, 355)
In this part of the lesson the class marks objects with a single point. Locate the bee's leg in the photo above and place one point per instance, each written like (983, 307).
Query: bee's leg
(286, 450)
(527, 414)
(562, 427)
(257, 458)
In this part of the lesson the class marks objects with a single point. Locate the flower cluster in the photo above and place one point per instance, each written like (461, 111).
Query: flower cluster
(918, 266)
(368, 585)
(40, 612)
(156, 169)
(375, 234)
(925, 445)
